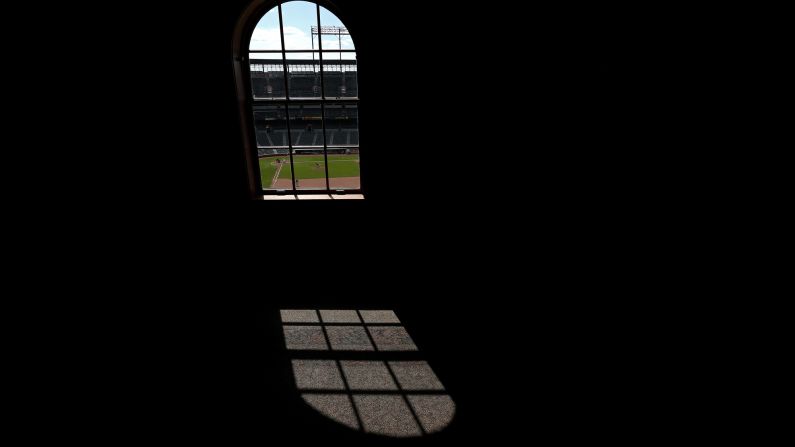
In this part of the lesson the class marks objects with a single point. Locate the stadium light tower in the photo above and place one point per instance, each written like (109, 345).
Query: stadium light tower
(338, 31)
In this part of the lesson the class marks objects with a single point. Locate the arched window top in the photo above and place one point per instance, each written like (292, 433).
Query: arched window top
(302, 25)
(267, 35)
(301, 80)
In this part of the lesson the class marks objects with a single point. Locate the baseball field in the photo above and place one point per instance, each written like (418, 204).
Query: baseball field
(310, 171)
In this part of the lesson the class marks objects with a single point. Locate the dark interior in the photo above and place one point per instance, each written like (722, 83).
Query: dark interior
(517, 255)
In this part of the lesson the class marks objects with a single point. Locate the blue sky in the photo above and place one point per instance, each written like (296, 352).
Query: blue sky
(299, 17)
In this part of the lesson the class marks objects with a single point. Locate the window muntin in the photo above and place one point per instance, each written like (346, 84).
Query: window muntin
(342, 130)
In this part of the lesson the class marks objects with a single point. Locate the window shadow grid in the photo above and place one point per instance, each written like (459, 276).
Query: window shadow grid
(332, 324)
(345, 384)
(395, 379)
(350, 396)
(374, 325)
(402, 393)
(350, 393)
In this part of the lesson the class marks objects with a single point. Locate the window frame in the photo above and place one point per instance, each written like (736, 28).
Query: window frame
(246, 101)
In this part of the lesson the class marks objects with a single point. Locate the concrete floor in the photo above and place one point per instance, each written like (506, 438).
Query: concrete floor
(335, 387)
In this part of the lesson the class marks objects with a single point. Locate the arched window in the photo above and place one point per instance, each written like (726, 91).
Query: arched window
(296, 73)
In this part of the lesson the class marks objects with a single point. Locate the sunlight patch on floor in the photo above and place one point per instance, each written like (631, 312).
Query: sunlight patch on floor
(396, 398)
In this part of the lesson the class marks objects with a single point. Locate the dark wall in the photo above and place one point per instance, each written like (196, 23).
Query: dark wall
(543, 244)
(572, 74)
(158, 123)
(580, 85)
(530, 252)
(143, 144)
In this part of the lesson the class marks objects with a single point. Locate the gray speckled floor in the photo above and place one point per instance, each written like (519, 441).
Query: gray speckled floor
(309, 338)
(392, 338)
(337, 407)
(373, 396)
(416, 376)
(317, 375)
(379, 316)
(349, 338)
(386, 415)
(434, 412)
(368, 375)
(299, 316)
(340, 316)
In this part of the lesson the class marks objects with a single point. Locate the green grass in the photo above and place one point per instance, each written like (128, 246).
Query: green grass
(310, 167)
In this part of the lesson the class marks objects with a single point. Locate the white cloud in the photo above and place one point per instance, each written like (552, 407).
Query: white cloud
(269, 39)
(265, 39)
(333, 43)
(294, 38)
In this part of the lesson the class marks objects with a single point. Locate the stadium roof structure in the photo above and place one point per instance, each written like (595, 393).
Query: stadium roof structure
(329, 65)
(334, 30)
(304, 61)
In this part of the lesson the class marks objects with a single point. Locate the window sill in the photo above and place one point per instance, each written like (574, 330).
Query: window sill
(315, 197)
